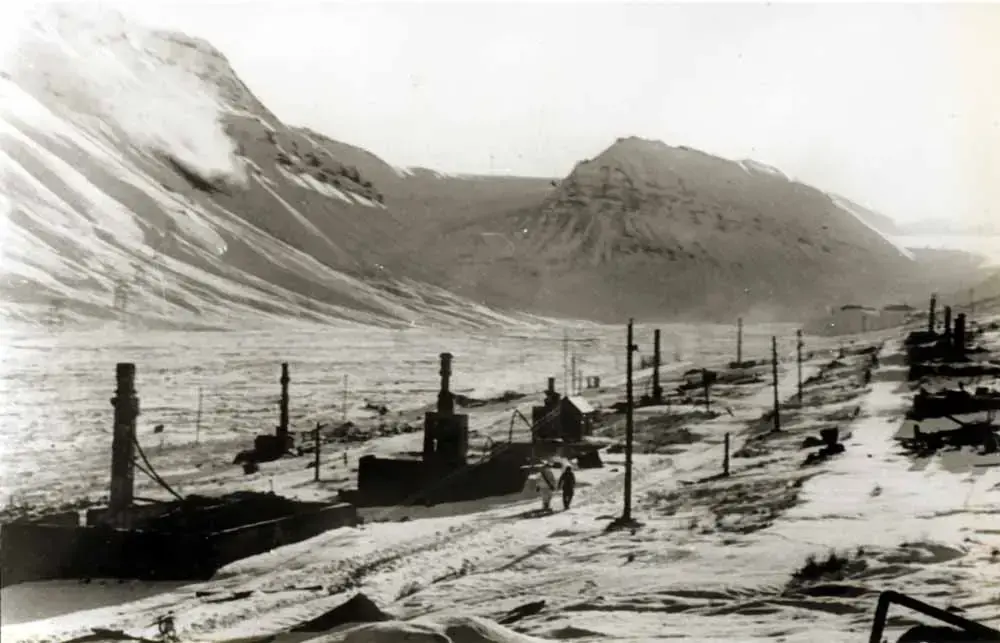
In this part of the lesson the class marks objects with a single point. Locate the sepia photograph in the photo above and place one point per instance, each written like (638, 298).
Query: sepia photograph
(499, 321)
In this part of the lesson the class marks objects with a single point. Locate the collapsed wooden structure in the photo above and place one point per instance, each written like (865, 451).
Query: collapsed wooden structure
(188, 538)
(443, 473)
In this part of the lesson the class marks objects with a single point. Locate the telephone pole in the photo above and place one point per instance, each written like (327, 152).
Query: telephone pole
(798, 362)
(197, 421)
(626, 519)
(739, 342)
(774, 377)
(565, 361)
(344, 404)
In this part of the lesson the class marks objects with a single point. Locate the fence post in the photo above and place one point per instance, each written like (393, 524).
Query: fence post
(316, 473)
(725, 458)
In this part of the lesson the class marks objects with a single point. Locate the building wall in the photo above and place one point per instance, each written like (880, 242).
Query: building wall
(854, 320)
(892, 318)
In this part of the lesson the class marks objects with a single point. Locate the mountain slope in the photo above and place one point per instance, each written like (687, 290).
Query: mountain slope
(137, 160)
(650, 230)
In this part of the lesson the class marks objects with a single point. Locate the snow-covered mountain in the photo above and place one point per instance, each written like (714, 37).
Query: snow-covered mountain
(136, 161)
(665, 231)
(142, 177)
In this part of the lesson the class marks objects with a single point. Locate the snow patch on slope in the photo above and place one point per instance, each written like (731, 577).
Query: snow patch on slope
(94, 61)
(846, 207)
(751, 167)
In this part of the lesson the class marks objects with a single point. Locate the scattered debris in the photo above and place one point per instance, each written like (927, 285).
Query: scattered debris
(358, 609)
(522, 612)
(830, 439)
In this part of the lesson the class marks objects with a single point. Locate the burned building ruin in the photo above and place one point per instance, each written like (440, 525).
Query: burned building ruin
(443, 473)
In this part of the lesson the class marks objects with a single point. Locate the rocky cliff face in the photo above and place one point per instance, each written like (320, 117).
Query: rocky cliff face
(655, 231)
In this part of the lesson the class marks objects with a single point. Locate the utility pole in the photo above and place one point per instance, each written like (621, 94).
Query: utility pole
(566, 361)
(972, 302)
(725, 457)
(657, 389)
(706, 383)
(344, 404)
(774, 377)
(316, 472)
(197, 421)
(798, 362)
(739, 342)
(282, 432)
(572, 378)
(626, 517)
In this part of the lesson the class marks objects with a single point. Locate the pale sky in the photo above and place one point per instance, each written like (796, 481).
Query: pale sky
(895, 106)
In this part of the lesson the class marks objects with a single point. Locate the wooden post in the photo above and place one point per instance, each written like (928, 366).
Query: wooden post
(197, 420)
(972, 302)
(631, 348)
(126, 405)
(707, 385)
(932, 314)
(725, 457)
(739, 341)
(566, 362)
(798, 362)
(344, 403)
(282, 432)
(657, 389)
(316, 473)
(774, 377)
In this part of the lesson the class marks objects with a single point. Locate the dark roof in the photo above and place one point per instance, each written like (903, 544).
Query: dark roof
(899, 307)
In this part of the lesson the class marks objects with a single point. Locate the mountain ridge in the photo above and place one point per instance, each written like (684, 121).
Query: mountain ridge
(107, 124)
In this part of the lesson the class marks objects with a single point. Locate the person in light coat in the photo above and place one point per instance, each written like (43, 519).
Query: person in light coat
(546, 486)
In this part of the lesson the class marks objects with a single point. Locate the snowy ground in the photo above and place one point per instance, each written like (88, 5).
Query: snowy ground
(56, 388)
(714, 559)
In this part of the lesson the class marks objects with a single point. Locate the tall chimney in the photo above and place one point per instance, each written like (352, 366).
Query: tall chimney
(126, 406)
(947, 322)
(446, 403)
(932, 314)
(552, 386)
(657, 389)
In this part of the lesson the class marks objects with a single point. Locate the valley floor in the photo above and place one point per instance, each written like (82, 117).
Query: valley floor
(716, 558)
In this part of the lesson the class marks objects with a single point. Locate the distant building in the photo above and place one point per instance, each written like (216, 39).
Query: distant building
(568, 418)
(576, 415)
(896, 314)
(853, 318)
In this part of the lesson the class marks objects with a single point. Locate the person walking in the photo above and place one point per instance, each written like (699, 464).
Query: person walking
(567, 482)
(546, 486)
